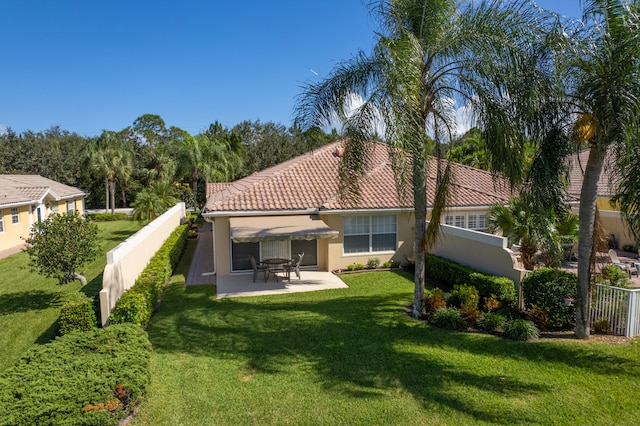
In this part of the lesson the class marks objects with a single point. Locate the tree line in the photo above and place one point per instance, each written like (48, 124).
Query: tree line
(150, 164)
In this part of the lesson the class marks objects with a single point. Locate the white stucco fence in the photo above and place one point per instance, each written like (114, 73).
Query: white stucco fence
(126, 261)
(485, 252)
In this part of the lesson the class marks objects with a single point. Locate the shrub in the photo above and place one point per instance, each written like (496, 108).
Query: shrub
(373, 263)
(492, 304)
(500, 288)
(490, 321)
(631, 248)
(614, 276)
(359, 267)
(547, 288)
(539, 317)
(78, 315)
(464, 295)
(519, 329)
(137, 304)
(351, 267)
(434, 299)
(82, 378)
(445, 270)
(133, 307)
(602, 326)
(470, 315)
(447, 318)
(108, 217)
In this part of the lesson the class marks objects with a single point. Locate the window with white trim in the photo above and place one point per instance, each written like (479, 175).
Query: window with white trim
(15, 216)
(370, 234)
(70, 207)
(1, 221)
(474, 221)
(54, 207)
(459, 221)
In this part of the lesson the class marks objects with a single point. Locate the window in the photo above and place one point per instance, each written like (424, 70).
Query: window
(448, 220)
(70, 206)
(459, 221)
(477, 221)
(15, 216)
(54, 207)
(364, 234)
(1, 221)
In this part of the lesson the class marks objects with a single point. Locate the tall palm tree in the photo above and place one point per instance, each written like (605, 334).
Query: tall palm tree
(431, 55)
(603, 86)
(111, 157)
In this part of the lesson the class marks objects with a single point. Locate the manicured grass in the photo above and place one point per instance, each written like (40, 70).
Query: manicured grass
(30, 303)
(354, 356)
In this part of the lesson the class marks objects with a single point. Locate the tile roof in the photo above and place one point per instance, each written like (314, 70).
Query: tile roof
(311, 181)
(608, 178)
(23, 189)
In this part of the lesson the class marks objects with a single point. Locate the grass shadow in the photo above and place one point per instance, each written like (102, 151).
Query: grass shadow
(30, 300)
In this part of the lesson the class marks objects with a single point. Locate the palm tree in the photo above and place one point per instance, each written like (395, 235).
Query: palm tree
(152, 201)
(516, 222)
(110, 157)
(428, 54)
(603, 86)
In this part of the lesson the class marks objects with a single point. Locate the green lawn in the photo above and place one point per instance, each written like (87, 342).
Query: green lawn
(30, 303)
(354, 356)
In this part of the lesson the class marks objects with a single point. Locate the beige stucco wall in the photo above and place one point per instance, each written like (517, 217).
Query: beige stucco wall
(484, 252)
(222, 246)
(612, 221)
(337, 259)
(129, 258)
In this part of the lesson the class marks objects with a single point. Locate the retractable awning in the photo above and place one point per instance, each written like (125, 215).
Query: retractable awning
(279, 228)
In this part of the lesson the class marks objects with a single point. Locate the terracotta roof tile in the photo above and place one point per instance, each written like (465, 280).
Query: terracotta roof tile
(608, 177)
(311, 181)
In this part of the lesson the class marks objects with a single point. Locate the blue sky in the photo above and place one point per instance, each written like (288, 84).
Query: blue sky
(89, 66)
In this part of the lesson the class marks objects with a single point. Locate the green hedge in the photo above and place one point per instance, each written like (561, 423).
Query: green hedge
(78, 315)
(108, 217)
(452, 273)
(82, 378)
(138, 303)
(547, 289)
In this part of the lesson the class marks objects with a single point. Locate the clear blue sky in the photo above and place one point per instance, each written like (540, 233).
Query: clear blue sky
(89, 66)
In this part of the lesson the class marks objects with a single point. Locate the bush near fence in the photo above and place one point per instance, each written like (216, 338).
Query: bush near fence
(76, 380)
(78, 315)
(138, 303)
(451, 273)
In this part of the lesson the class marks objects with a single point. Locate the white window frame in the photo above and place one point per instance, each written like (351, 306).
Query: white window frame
(366, 221)
(71, 207)
(15, 216)
(473, 221)
(1, 221)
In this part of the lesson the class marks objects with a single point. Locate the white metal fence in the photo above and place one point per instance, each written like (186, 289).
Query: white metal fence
(620, 306)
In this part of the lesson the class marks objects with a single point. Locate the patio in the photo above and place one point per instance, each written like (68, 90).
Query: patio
(241, 284)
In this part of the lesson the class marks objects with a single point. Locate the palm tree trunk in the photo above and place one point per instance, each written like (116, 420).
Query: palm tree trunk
(420, 212)
(527, 254)
(588, 197)
(106, 195)
(195, 194)
(112, 191)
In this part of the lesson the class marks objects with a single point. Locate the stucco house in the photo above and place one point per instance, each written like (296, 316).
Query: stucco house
(610, 217)
(27, 199)
(295, 207)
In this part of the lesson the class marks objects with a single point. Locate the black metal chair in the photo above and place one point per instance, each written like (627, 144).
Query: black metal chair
(258, 268)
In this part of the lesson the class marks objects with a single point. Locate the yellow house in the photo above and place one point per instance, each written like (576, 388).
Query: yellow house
(27, 199)
(295, 207)
(610, 216)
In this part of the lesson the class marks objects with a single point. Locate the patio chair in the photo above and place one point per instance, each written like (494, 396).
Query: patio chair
(295, 266)
(258, 268)
(629, 268)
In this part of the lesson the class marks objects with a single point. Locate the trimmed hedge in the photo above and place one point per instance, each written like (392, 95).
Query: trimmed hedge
(108, 217)
(547, 289)
(138, 303)
(82, 378)
(452, 273)
(78, 315)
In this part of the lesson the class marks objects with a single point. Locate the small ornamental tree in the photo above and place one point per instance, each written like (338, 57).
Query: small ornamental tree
(59, 245)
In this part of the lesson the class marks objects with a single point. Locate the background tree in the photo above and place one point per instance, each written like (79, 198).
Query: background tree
(61, 244)
(153, 201)
(112, 158)
(428, 53)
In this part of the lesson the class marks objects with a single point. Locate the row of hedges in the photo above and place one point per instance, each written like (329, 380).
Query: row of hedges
(77, 380)
(138, 303)
(452, 273)
(108, 217)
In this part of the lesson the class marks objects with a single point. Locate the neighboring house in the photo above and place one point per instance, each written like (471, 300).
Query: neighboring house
(295, 207)
(610, 217)
(27, 199)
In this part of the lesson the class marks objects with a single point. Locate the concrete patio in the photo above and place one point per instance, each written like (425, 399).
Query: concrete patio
(241, 284)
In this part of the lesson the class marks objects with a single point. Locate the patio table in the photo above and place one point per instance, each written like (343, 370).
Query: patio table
(277, 264)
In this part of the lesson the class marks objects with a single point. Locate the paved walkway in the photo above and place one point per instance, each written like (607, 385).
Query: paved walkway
(202, 262)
